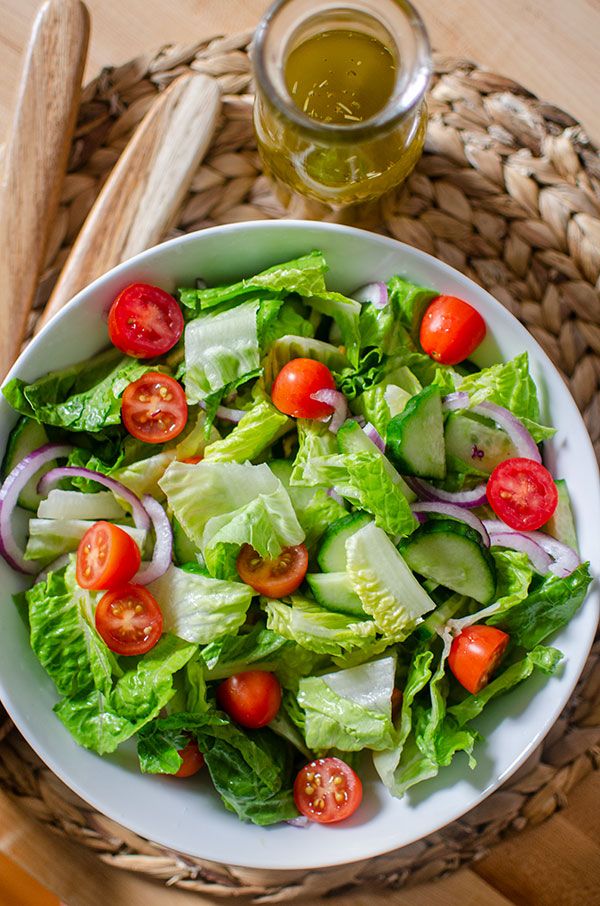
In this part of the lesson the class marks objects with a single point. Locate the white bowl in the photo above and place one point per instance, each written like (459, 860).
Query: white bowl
(188, 816)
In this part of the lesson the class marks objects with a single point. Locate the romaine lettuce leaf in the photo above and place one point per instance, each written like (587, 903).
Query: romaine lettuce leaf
(101, 721)
(234, 653)
(546, 659)
(383, 329)
(82, 397)
(198, 608)
(384, 583)
(509, 384)
(241, 504)
(349, 710)
(159, 742)
(305, 276)
(314, 440)
(311, 626)
(250, 770)
(409, 302)
(220, 350)
(50, 538)
(352, 380)
(255, 431)
(550, 604)
(345, 312)
(64, 637)
(279, 318)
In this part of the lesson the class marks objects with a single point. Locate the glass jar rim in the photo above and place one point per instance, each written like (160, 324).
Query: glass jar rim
(398, 105)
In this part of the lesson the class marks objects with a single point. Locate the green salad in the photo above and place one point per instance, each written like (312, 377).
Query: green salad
(278, 533)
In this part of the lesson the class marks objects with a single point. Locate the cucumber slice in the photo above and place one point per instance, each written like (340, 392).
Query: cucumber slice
(332, 553)
(352, 439)
(184, 550)
(440, 616)
(450, 553)
(334, 592)
(476, 443)
(562, 524)
(26, 436)
(415, 438)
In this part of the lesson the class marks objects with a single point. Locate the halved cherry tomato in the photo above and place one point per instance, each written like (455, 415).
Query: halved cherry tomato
(396, 702)
(475, 654)
(451, 330)
(106, 557)
(522, 492)
(193, 760)
(273, 578)
(154, 408)
(193, 460)
(144, 321)
(295, 384)
(252, 699)
(129, 620)
(327, 790)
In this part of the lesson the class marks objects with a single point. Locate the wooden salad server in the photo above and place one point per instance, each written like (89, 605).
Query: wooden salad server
(140, 199)
(35, 160)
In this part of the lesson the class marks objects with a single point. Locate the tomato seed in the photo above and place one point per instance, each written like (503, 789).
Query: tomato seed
(309, 789)
(319, 804)
(338, 780)
(340, 797)
(310, 776)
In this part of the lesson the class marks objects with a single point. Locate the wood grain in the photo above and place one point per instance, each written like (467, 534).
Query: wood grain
(146, 188)
(36, 159)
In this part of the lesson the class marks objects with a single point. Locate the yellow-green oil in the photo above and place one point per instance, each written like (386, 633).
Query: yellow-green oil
(340, 76)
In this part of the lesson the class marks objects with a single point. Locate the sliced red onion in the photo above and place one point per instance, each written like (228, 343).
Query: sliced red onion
(227, 414)
(140, 516)
(52, 568)
(376, 293)
(467, 499)
(457, 400)
(300, 821)
(360, 420)
(454, 512)
(23, 472)
(163, 545)
(331, 492)
(374, 435)
(501, 535)
(338, 402)
(564, 557)
(518, 434)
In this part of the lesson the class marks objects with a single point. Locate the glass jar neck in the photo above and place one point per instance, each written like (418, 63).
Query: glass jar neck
(393, 22)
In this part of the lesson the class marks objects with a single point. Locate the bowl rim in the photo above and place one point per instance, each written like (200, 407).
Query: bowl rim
(79, 300)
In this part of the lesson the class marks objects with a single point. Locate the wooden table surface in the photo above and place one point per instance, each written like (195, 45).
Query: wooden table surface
(551, 47)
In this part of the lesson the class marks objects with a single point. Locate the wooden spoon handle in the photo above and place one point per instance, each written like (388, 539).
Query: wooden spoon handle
(144, 191)
(36, 160)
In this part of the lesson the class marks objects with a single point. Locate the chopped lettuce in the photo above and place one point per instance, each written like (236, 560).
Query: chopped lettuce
(64, 637)
(311, 626)
(220, 350)
(254, 433)
(82, 397)
(279, 318)
(314, 507)
(409, 302)
(232, 654)
(345, 312)
(241, 504)
(305, 276)
(198, 608)
(509, 384)
(384, 583)
(159, 742)
(550, 604)
(101, 720)
(314, 440)
(50, 538)
(349, 710)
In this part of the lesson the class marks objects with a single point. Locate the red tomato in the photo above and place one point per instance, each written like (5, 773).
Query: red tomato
(129, 620)
(144, 321)
(396, 702)
(106, 557)
(451, 330)
(273, 578)
(252, 699)
(193, 460)
(295, 384)
(154, 408)
(193, 760)
(522, 493)
(475, 654)
(327, 790)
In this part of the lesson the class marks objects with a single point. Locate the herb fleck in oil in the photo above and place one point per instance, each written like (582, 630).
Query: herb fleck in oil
(340, 76)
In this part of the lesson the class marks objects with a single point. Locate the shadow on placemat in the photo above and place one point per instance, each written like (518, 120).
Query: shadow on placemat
(508, 192)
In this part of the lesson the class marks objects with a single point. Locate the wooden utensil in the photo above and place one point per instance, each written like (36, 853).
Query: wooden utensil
(140, 199)
(36, 159)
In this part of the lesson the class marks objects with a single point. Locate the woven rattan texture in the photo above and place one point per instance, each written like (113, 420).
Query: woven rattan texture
(508, 192)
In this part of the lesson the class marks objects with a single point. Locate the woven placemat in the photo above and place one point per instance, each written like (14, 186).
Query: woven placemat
(508, 192)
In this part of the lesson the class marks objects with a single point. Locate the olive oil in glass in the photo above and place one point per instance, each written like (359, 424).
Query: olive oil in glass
(339, 113)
